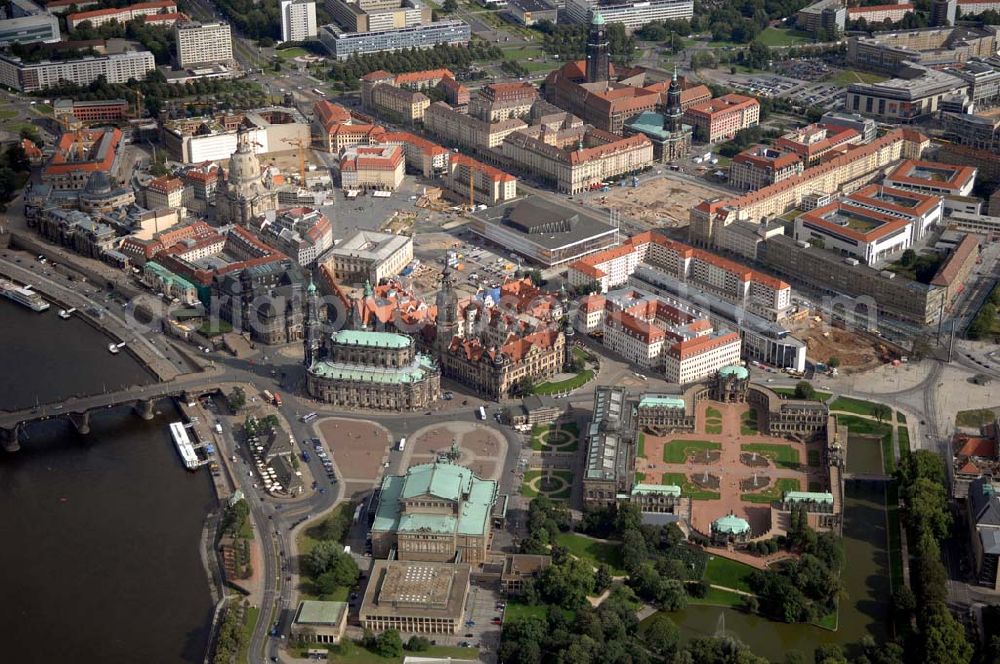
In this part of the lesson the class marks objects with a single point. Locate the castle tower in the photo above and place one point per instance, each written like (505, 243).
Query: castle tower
(311, 340)
(447, 309)
(674, 110)
(598, 51)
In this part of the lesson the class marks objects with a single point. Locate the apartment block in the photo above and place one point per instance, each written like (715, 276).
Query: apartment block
(466, 131)
(122, 15)
(485, 184)
(814, 142)
(376, 167)
(422, 156)
(873, 14)
(114, 67)
(203, 43)
(343, 45)
(298, 20)
(632, 15)
(722, 117)
(502, 101)
(760, 166)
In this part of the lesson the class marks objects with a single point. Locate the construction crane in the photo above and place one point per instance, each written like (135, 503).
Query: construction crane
(301, 145)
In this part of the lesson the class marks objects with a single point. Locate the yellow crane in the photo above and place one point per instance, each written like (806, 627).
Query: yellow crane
(301, 145)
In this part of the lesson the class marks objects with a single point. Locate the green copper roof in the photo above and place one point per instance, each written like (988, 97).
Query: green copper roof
(312, 286)
(312, 612)
(373, 339)
(598, 19)
(731, 524)
(734, 370)
(665, 489)
(447, 481)
(807, 496)
(419, 369)
(661, 401)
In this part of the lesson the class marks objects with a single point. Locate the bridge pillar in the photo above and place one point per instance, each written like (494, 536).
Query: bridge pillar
(81, 421)
(144, 409)
(9, 437)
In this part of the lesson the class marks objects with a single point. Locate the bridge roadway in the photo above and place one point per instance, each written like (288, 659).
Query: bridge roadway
(78, 408)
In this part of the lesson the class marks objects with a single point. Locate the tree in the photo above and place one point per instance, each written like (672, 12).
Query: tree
(908, 258)
(237, 398)
(833, 362)
(449, 6)
(389, 644)
(943, 638)
(804, 390)
(418, 644)
(881, 412)
(602, 579)
(661, 635)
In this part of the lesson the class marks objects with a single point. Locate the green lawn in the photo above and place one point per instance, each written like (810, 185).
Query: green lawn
(813, 458)
(714, 429)
(974, 418)
(716, 597)
(729, 573)
(677, 451)
(640, 478)
(783, 37)
(856, 406)
(306, 539)
(688, 488)
(900, 417)
(518, 610)
(289, 53)
(783, 456)
(748, 422)
(862, 426)
(773, 492)
(849, 76)
(8, 115)
(609, 553)
(641, 448)
(712, 413)
(790, 392)
(561, 494)
(904, 441)
(570, 428)
(567, 385)
(249, 622)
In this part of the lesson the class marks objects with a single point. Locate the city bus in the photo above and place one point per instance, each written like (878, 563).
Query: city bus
(402, 444)
(319, 92)
(268, 397)
(309, 417)
(482, 413)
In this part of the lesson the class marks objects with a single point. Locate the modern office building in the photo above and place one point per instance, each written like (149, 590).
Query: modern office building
(943, 12)
(892, 51)
(320, 622)
(28, 23)
(864, 126)
(114, 67)
(826, 15)
(875, 14)
(905, 100)
(298, 20)
(343, 45)
(203, 43)
(933, 178)
(632, 15)
(529, 12)
(100, 110)
(374, 15)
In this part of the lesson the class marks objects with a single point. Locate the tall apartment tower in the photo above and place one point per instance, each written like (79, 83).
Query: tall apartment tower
(943, 13)
(598, 50)
(203, 43)
(298, 20)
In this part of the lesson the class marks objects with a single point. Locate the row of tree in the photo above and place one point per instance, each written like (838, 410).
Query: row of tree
(986, 319)
(157, 39)
(569, 42)
(455, 58)
(14, 172)
(254, 19)
(939, 638)
(231, 635)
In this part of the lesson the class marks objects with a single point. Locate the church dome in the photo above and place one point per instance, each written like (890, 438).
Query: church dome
(244, 166)
(98, 184)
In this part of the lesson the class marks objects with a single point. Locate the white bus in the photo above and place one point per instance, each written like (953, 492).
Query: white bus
(268, 397)
(309, 417)
(319, 92)
(402, 444)
(482, 413)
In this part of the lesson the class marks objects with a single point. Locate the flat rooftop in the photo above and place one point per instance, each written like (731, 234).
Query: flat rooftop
(427, 589)
(545, 223)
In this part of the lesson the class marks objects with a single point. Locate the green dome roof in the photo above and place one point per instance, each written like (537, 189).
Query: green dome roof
(598, 19)
(731, 525)
(734, 370)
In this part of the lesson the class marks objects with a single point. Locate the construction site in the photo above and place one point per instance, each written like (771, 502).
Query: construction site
(661, 201)
(857, 351)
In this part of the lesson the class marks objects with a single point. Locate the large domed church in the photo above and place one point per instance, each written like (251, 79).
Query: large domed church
(246, 192)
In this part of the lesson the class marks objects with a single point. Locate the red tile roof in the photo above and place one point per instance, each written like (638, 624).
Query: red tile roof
(975, 446)
(954, 263)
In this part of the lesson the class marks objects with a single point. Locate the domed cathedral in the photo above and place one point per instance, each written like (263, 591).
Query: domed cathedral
(245, 193)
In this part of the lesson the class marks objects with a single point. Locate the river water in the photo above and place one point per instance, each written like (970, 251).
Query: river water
(99, 534)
